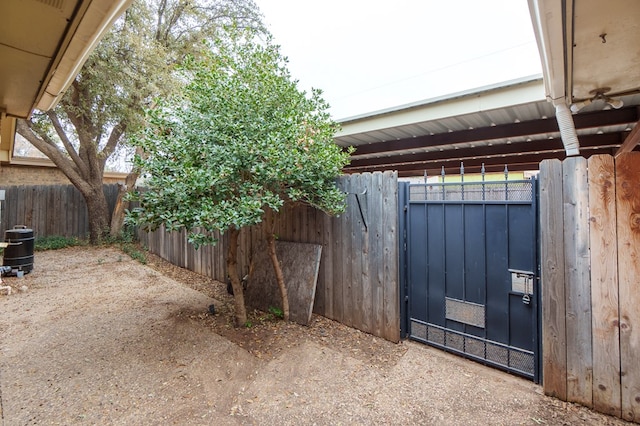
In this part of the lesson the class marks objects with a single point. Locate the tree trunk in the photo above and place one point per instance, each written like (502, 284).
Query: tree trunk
(270, 236)
(271, 243)
(86, 175)
(232, 271)
(98, 214)
(117, 217)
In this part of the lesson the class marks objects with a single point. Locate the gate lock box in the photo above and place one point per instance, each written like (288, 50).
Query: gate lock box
(522, 282)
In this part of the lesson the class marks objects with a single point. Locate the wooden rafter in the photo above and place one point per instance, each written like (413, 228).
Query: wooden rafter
(631, 141)
(502, 131)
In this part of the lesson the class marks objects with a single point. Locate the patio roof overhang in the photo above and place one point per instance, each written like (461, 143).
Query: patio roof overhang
(506, 124)
(43, 45)
(586, 46)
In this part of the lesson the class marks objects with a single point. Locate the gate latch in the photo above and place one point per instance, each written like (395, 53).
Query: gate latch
(522, 282)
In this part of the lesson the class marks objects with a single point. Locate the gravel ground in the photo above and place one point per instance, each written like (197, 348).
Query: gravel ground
(96, 338)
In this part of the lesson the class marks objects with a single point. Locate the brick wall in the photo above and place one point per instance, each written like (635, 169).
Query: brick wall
(12, 174)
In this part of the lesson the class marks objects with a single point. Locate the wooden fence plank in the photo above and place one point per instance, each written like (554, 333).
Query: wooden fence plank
(577, 282)
(604, 285)
(338, 259)
(628, 209)
(347, 250)
(317, 222)
(554, 350)
(27, 212)
(391, 326)
(50, 213)
(328, 248)
(376, 252)
(36, 195)
(356, 301)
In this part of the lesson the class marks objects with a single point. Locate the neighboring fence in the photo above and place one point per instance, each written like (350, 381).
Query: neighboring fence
(49, 209)
(358, 277)
(590, 259)
(173, 246)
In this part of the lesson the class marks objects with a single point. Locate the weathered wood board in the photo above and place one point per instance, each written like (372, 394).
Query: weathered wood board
(577, 281)
(554, 335)
(628, 209)
(300, 263)
(604, 285)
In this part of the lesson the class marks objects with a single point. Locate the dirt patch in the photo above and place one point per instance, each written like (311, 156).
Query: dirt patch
(98, 338)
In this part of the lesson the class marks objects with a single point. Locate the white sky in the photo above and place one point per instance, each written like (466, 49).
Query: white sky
(368, 55)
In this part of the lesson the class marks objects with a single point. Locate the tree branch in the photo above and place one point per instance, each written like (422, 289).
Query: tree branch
(82, 167)
(85, 129)
(161, 9)
(47, 147)
(114, 138)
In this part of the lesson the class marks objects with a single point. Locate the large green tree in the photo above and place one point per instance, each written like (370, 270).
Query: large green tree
(132, 65)
(239, 142)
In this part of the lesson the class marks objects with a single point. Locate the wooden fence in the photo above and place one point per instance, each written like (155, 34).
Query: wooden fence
(358, 277)
(590, 251)
(49, 209)
(174, 247)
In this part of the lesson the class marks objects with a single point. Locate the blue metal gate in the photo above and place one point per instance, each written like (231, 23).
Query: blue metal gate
(470, 271)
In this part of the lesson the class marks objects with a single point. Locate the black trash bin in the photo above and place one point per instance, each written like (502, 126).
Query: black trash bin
(19, 254)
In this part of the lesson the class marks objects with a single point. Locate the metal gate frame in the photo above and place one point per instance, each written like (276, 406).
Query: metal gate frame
(454, 341)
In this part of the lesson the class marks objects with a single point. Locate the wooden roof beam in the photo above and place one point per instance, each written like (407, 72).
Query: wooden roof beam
(512, 160)
(503, 131)
(512, 150)
(632, 140)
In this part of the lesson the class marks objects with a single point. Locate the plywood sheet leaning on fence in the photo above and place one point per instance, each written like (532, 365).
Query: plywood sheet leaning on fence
(554, 349)
(300, 263)
(628, 210)
(604, 285)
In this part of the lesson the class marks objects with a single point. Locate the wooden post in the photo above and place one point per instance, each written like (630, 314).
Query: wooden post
(554, 350)
(628, 209)
(604, 285)
(577, 281)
